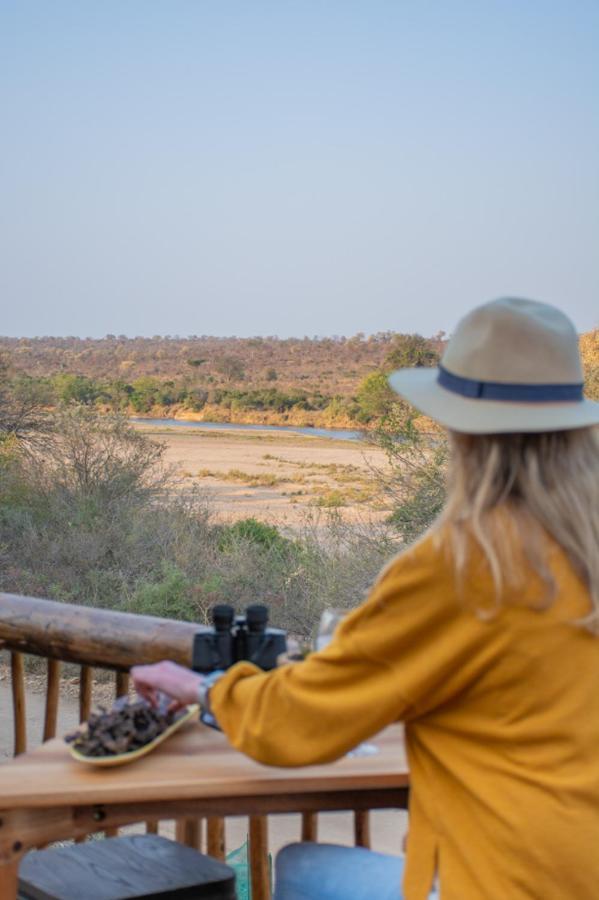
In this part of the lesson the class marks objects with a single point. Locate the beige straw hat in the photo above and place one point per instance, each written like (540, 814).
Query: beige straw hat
(512, 366)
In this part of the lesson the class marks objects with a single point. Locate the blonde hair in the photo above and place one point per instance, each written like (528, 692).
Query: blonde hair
(507, 492)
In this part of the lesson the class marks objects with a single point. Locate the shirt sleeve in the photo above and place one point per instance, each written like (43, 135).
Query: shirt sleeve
(406, 649)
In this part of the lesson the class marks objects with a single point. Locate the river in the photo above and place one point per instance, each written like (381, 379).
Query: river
(332, 433)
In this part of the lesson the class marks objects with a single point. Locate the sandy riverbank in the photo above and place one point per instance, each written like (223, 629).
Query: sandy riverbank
(280, 478)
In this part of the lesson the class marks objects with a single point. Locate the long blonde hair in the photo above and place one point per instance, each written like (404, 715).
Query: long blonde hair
(546, 483)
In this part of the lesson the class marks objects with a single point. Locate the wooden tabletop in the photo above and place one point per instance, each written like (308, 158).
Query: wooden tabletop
(195, 763)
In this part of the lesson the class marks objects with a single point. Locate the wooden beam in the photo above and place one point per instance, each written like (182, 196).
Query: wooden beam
(94, 637)
(23, 829)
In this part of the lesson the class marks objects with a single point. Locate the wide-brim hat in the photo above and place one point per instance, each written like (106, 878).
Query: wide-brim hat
(512, 365)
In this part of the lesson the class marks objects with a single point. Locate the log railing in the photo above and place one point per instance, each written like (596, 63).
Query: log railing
(93, 639)
(107, 640)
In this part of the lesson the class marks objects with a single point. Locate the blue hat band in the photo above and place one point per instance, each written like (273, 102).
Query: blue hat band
(515, 393)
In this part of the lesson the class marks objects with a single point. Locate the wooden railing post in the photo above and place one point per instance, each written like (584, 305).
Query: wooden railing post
(215, 837)
(309, 826)
(52, 692)
(86, 677)
(362, 828)
(121, 684)
(259, 871)
(18, 703)
(189, 832)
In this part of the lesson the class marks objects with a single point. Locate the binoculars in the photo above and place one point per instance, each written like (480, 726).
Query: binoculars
(233, 638)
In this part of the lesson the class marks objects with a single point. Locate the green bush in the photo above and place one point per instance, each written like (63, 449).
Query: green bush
(170, 596)
(75, 389)
(258, 533)
(375, 398)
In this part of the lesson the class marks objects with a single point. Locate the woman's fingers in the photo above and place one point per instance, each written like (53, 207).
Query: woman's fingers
(166, 677)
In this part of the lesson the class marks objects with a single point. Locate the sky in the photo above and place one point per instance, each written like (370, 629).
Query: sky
(294, 167)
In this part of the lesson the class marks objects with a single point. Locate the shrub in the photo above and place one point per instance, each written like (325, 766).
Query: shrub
(258, 533)
(167, 596)
(415, 478)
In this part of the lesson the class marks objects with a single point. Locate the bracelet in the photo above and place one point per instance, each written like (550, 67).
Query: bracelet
(204, 689)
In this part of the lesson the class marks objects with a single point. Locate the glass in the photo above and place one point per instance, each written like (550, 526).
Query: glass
(330, 618)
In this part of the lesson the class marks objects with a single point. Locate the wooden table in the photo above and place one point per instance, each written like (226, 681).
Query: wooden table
(47, 796)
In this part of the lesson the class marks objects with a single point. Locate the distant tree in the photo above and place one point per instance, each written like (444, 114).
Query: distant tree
(145, 394)
(375, 397)
(271, 375)
(75, 389)
(231, 368)
(411, 351)
(23, 403)
(100, 456)
(116, 394)
(195, 362)
(415, 476)
(197, 399)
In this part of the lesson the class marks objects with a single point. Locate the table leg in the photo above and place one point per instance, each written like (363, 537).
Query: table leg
(259, 874)
(9, 880)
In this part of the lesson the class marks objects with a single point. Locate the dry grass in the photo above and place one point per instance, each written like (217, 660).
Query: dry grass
(249, 478)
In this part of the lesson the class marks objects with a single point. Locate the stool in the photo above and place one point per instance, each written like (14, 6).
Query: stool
(124, 868)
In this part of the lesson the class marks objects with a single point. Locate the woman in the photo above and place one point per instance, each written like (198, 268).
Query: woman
(481, 638)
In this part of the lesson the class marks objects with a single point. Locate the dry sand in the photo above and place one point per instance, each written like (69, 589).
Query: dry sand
(309, 473)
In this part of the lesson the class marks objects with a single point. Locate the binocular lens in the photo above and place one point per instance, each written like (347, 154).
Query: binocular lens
(223, 616)
(256, 617)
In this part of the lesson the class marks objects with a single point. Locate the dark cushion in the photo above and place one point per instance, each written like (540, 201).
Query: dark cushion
(124, 868)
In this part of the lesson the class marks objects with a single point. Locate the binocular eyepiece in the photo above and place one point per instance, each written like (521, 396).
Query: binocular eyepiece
(233, 638)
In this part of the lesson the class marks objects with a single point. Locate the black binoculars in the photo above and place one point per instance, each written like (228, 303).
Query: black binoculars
(233, 638)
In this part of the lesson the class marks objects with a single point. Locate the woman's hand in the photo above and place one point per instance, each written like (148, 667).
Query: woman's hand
(179, 683)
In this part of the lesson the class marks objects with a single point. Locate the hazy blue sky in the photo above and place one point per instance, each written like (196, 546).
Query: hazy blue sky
(294, 167)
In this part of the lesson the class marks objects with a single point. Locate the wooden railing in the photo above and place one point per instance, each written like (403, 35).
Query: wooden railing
(92, 639)
(104, 639)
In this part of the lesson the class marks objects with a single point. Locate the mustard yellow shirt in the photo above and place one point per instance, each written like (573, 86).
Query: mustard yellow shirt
(502, 723)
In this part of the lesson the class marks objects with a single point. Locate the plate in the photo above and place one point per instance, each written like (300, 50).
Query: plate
(121, 759)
